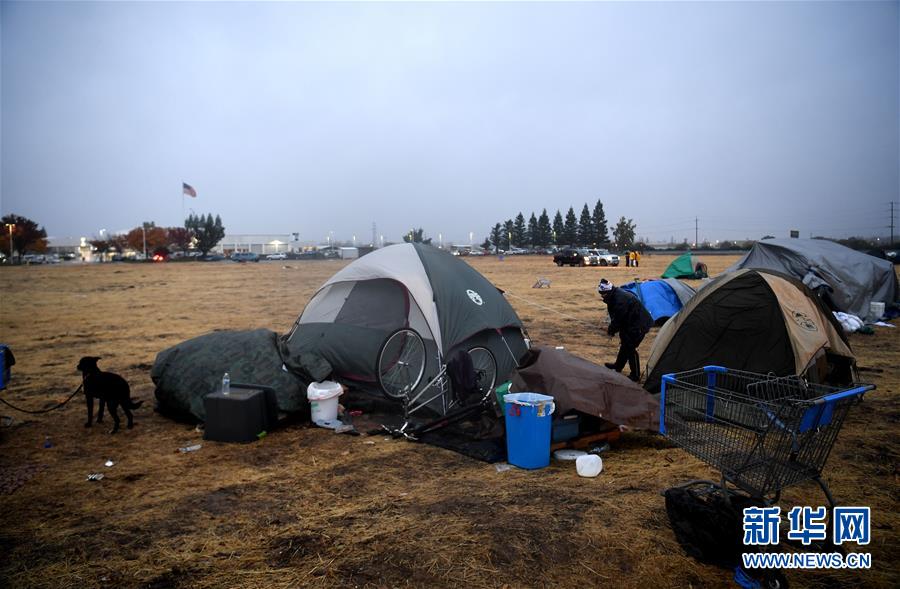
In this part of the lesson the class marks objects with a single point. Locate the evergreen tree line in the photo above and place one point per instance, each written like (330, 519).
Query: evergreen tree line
(590, 229)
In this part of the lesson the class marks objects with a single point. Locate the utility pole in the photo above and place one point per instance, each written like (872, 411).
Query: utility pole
(144, 232)
(695, 232)
(892, 223)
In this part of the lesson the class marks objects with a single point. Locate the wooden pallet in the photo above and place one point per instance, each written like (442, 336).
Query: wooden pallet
(585, 441)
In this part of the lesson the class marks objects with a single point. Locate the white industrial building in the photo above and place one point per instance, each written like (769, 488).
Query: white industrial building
(258, 243)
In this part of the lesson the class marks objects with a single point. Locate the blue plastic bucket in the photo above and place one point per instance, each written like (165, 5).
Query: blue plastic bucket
(528, 420)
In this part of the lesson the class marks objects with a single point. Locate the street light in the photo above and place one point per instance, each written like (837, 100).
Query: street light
(10, 226)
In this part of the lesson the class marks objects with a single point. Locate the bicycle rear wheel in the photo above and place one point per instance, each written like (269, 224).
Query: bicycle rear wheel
(485, 365)
(401, 363)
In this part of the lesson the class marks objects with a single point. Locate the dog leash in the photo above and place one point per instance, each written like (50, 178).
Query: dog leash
(57, 406)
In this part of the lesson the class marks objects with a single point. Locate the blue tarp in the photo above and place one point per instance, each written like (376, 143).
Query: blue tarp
(659, 297)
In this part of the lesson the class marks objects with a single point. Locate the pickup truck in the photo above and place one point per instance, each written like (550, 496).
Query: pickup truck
(572, 257)
(603, 258)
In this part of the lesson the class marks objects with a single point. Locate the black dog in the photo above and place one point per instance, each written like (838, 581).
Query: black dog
(111, 389)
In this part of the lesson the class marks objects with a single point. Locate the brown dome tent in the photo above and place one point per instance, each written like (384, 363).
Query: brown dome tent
(754, 320)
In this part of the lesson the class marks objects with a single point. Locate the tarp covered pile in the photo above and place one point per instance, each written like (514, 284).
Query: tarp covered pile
(662, 298)
(184, 374)
(578, 384)
(851, 280)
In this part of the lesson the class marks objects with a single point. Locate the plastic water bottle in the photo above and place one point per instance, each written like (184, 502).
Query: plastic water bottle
(226, 384)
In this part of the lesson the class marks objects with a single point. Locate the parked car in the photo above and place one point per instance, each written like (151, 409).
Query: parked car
(603, 258)
(244, 257)
(277, 256)
(572, 257)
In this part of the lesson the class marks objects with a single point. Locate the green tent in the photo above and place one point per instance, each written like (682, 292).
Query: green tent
(681, 267)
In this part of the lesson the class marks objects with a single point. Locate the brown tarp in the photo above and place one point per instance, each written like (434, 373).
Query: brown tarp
(578, 384)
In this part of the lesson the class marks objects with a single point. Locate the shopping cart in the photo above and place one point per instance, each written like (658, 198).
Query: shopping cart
(763, 433)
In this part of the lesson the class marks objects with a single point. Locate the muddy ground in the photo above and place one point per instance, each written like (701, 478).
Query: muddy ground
(304, 506)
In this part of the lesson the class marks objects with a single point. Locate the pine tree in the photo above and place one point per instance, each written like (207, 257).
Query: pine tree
(533, 236)
(207, 231)
(518, 231)
(496, 236)
(559, 232)
(544, 230)
(585, 228)
(601, 231)
(507, 234)
(570, 228)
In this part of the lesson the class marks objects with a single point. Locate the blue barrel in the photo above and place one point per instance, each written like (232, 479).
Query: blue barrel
(528, 420)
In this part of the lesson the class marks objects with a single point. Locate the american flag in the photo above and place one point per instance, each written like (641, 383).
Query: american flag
(189, 190)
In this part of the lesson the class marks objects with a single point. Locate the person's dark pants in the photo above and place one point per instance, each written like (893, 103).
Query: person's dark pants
(628, 354)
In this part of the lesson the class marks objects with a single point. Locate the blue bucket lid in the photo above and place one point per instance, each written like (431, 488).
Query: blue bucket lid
(532, 399)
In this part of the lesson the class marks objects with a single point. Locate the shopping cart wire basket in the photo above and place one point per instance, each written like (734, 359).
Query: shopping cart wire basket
(763, 433)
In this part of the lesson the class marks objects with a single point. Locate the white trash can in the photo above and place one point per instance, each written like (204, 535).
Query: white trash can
(323, 400)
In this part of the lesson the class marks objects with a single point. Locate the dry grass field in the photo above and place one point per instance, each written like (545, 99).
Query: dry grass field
(304, 506)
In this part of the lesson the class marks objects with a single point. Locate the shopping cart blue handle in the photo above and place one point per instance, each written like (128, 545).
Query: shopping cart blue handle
(820, 413)
(843, 394)
(719, 369)
(666, 379)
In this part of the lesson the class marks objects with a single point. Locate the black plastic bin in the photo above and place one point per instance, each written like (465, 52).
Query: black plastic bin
(241, 415)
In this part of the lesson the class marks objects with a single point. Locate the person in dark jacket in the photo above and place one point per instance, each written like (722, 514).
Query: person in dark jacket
(631, 321)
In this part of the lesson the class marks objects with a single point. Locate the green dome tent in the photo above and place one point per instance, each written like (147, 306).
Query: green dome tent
(449, 304)
(683, 267)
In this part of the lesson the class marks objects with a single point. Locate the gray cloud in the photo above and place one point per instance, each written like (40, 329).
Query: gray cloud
(755, 117)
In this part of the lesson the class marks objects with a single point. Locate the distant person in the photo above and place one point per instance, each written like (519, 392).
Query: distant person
(631, 321)
(627, 259)
(637, 258)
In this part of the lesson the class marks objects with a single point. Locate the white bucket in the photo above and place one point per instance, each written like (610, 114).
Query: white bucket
(323, 400)
(876, 310)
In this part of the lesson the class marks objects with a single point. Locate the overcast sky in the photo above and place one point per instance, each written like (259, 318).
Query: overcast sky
(305, 117)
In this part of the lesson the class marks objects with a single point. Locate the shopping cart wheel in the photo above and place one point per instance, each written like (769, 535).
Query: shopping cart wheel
(767, 579)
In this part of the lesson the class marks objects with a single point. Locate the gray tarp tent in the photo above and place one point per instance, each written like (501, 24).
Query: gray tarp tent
(853, 279)
(411, 285)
